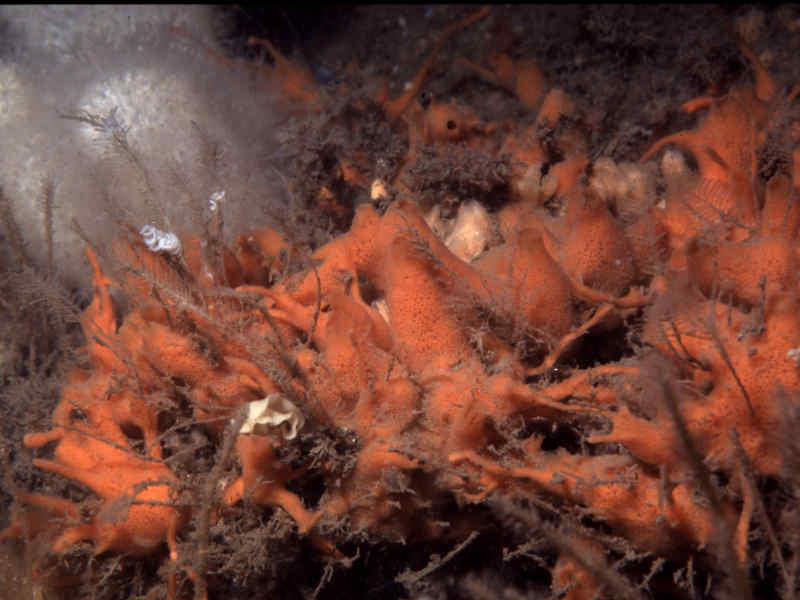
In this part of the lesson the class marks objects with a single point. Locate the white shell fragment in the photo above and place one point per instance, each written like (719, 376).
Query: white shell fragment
(382, 308)
(378, 190)
(273, 411)
(160, 241)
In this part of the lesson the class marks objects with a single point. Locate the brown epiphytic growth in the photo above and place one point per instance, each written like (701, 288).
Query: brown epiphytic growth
(209, 495)
(16, 241)
(120, 147)
(396, 107)
(47, 206)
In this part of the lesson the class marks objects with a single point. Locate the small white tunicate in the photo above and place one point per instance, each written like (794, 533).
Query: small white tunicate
(471, 231)
(160, 241)
(215, 199)
(794, 354)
